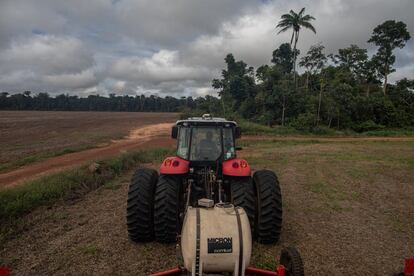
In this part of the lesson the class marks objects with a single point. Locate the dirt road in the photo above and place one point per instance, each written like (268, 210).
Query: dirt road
(144, 137)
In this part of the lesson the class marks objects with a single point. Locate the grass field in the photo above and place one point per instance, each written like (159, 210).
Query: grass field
(344, 203)
(30, 136)
(258, 129)
(347, 207)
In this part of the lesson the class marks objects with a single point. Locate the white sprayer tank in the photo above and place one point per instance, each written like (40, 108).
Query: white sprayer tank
(216, 240)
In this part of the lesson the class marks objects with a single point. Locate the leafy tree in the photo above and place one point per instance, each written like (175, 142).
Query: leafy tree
(352, 58)
(388, 36)
(368, 75)
(283, 57)
(262, 73)
(236, 85)
(314, 61)
(356, 60)
(295, 21)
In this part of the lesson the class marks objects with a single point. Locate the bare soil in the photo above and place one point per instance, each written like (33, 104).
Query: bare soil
(35, 133)
(143, 130)
(347, 207)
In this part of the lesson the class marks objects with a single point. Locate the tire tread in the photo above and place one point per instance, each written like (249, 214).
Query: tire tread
(268, 224)
(140, 211)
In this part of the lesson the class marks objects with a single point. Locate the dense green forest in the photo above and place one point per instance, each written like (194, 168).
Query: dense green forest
(343, 90)
(64, 102)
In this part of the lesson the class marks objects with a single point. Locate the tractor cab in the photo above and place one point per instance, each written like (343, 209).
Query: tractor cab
(206, 139)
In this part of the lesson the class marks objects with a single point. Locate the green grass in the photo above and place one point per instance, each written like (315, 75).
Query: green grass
(20, 200)
(390, 132)
(90, 250)
(262, 258)
(329, 195)
(273, 143)
(38, 157)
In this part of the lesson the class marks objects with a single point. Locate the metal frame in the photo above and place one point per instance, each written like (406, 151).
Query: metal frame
(250, 271)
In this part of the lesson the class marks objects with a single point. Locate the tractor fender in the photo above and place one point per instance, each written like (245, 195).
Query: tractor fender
(236, 167)
(174, 165)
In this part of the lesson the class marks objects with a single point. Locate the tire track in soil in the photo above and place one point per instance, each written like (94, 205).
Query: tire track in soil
(142, 138)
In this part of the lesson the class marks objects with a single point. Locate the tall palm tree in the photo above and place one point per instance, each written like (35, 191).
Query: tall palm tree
(295, 21)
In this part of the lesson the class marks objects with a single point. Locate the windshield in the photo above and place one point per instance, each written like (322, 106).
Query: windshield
(205, 144)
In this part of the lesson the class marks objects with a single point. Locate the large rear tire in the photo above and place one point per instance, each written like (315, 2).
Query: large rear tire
(269, 207)
(167, 208)
(292, 261)
(140, 205)
(243, 195)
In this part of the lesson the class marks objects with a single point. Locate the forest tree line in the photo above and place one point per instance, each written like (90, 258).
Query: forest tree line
(343, 90)
(64, 102)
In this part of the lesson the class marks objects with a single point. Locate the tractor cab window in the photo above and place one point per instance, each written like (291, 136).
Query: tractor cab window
(228, 143)
(205, 144)
(183, 142)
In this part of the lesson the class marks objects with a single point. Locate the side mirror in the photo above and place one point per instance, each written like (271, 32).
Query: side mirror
(237, 132)
(174, 132)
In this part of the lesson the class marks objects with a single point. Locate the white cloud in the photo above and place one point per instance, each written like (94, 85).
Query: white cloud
(160, 67)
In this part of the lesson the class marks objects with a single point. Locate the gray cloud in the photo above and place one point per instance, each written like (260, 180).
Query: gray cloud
(46, 62)
(47, 54)
(168, 23)
(168, 47)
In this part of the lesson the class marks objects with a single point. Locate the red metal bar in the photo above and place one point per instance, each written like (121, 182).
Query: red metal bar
(4, 271)
(175, 271)
(409, 267)
(280, 271)
(252, 271)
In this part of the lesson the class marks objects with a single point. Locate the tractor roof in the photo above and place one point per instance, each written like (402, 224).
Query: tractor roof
(206, 120)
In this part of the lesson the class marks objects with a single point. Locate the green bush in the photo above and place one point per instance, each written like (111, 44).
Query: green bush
(303, 122)
(368, 126)
(258, 129)
(323, 130)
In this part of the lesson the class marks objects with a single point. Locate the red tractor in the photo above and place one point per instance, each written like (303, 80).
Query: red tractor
(207, 200)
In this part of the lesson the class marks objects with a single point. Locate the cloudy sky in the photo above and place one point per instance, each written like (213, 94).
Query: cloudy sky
(169, 47)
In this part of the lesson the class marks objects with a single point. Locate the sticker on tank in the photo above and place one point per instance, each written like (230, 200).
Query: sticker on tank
(220, 245)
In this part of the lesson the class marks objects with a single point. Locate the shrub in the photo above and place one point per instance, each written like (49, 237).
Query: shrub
(323, 130)
(368, 126)
(303, 122)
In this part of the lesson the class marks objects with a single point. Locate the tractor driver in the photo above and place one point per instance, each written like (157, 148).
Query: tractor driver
(208, 148)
